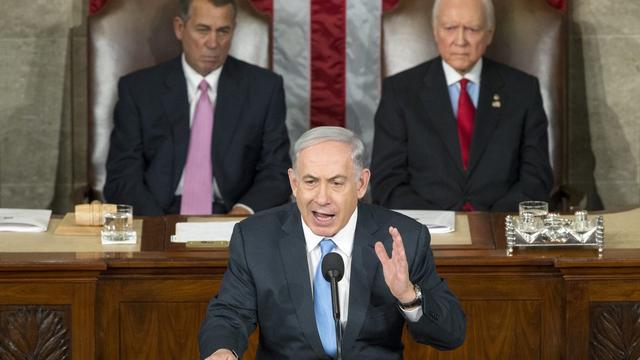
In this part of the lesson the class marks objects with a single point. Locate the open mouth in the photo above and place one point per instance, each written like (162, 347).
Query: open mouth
(323, 217)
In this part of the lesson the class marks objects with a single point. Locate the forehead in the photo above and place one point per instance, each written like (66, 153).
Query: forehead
(204, 10)
(463, 11)
(325, 158)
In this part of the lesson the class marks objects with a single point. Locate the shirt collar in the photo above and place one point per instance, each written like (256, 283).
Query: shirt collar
(343, 239)
(194, 78)
(453, 76)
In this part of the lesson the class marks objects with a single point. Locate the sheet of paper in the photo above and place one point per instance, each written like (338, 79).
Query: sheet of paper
(24, 220)
(204, 231)
(438, 222)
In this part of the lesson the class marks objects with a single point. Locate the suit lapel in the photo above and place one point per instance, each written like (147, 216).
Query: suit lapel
(176, 106)
(435, 98)
(232, 88)
(293, 251)
(488, 113)
(364, 266)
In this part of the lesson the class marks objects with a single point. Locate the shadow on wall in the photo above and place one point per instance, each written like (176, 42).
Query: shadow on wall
(591, 117)
(71, 174)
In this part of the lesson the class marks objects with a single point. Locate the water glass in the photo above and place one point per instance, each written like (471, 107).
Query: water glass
(539, 209)
(118, 224)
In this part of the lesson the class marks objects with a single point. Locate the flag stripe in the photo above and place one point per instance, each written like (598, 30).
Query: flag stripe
(328, 62)
(291, 60)
(389, 5)
(363, 68)
(263, 6)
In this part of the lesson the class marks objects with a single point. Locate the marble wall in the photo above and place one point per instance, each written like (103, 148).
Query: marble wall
(604, 85)
(43, 115)
(37, 114)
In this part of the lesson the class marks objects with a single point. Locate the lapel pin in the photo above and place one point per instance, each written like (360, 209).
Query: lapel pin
(496, 101)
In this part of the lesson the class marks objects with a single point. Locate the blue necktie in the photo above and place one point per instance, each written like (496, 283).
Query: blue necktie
(322, 304)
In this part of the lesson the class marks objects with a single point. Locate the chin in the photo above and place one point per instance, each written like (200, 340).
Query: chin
(323, 231)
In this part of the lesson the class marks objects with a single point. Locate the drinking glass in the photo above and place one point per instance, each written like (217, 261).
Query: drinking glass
(118, 224)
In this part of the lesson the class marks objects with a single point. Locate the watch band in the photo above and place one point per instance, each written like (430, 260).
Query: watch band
(415, 302)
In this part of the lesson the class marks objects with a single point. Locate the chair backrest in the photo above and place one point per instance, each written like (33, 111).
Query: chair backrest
(530, 35)
(127, 35)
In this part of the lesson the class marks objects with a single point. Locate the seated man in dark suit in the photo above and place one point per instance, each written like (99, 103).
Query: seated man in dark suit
(461, 132)
(202, 133)
(274, 280)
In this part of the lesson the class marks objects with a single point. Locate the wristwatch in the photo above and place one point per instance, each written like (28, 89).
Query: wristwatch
(415, 302)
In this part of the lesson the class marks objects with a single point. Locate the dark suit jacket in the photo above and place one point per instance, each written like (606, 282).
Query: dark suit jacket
(416, 161)
(267, 283)
(150, 139)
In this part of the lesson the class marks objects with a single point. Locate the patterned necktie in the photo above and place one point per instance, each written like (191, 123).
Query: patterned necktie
(197, 191)
(466, 114)
(322, 304)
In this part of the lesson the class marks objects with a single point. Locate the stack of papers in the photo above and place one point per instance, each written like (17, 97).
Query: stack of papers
(203, 231)
(24, 220)
(438, 222)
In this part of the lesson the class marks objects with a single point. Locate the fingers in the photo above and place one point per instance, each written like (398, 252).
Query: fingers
(398, 256)
(382, 253)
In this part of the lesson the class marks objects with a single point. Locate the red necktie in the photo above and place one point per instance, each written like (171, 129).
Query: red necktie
(466, 114)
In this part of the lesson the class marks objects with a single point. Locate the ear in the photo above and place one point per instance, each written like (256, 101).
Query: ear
(293, 181)
(178, 27)
(490, 33)
(363, 182)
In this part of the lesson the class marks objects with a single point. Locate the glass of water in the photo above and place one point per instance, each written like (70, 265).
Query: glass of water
(118, 224)
(538, 209)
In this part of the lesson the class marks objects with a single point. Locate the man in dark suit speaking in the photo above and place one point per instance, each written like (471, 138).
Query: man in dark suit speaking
(461, 132)
(273, 277)
(201, 133)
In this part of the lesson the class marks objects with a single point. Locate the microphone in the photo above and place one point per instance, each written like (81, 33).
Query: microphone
(333, 271)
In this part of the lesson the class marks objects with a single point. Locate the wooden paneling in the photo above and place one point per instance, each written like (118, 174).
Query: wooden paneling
(48, 316)
(614, 330)
(35, 332)
(151, 317)
(151, 330)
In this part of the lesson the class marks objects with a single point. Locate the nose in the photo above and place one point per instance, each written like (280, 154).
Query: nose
(460, 38)
(322, 195)
(212, 40)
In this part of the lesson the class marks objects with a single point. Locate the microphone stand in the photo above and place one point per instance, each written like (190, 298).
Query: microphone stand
(336, 313)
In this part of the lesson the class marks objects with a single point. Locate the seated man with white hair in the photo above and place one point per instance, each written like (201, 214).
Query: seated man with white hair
(461, 132)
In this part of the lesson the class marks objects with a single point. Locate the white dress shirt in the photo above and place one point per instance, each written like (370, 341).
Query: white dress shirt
(344, 246)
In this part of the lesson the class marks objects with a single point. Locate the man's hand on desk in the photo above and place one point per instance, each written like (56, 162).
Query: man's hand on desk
(222, 354)
(240, 210)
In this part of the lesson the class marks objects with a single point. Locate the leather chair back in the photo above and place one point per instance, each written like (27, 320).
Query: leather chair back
(127, 35)
(530, 35)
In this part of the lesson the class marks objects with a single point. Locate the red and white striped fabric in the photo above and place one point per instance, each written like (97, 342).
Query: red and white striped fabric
(328, 52)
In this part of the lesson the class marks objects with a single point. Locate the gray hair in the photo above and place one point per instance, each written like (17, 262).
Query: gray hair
(489, 13)
(321, 134)
(185, 7)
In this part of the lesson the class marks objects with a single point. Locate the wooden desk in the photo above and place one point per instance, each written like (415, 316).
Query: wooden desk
(149, 304)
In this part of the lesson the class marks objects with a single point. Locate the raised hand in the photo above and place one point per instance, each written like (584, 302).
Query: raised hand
(396, 268)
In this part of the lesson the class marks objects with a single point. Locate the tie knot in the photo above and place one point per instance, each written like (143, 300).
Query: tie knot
(463, 83)
(326, 245)
(204, 86)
